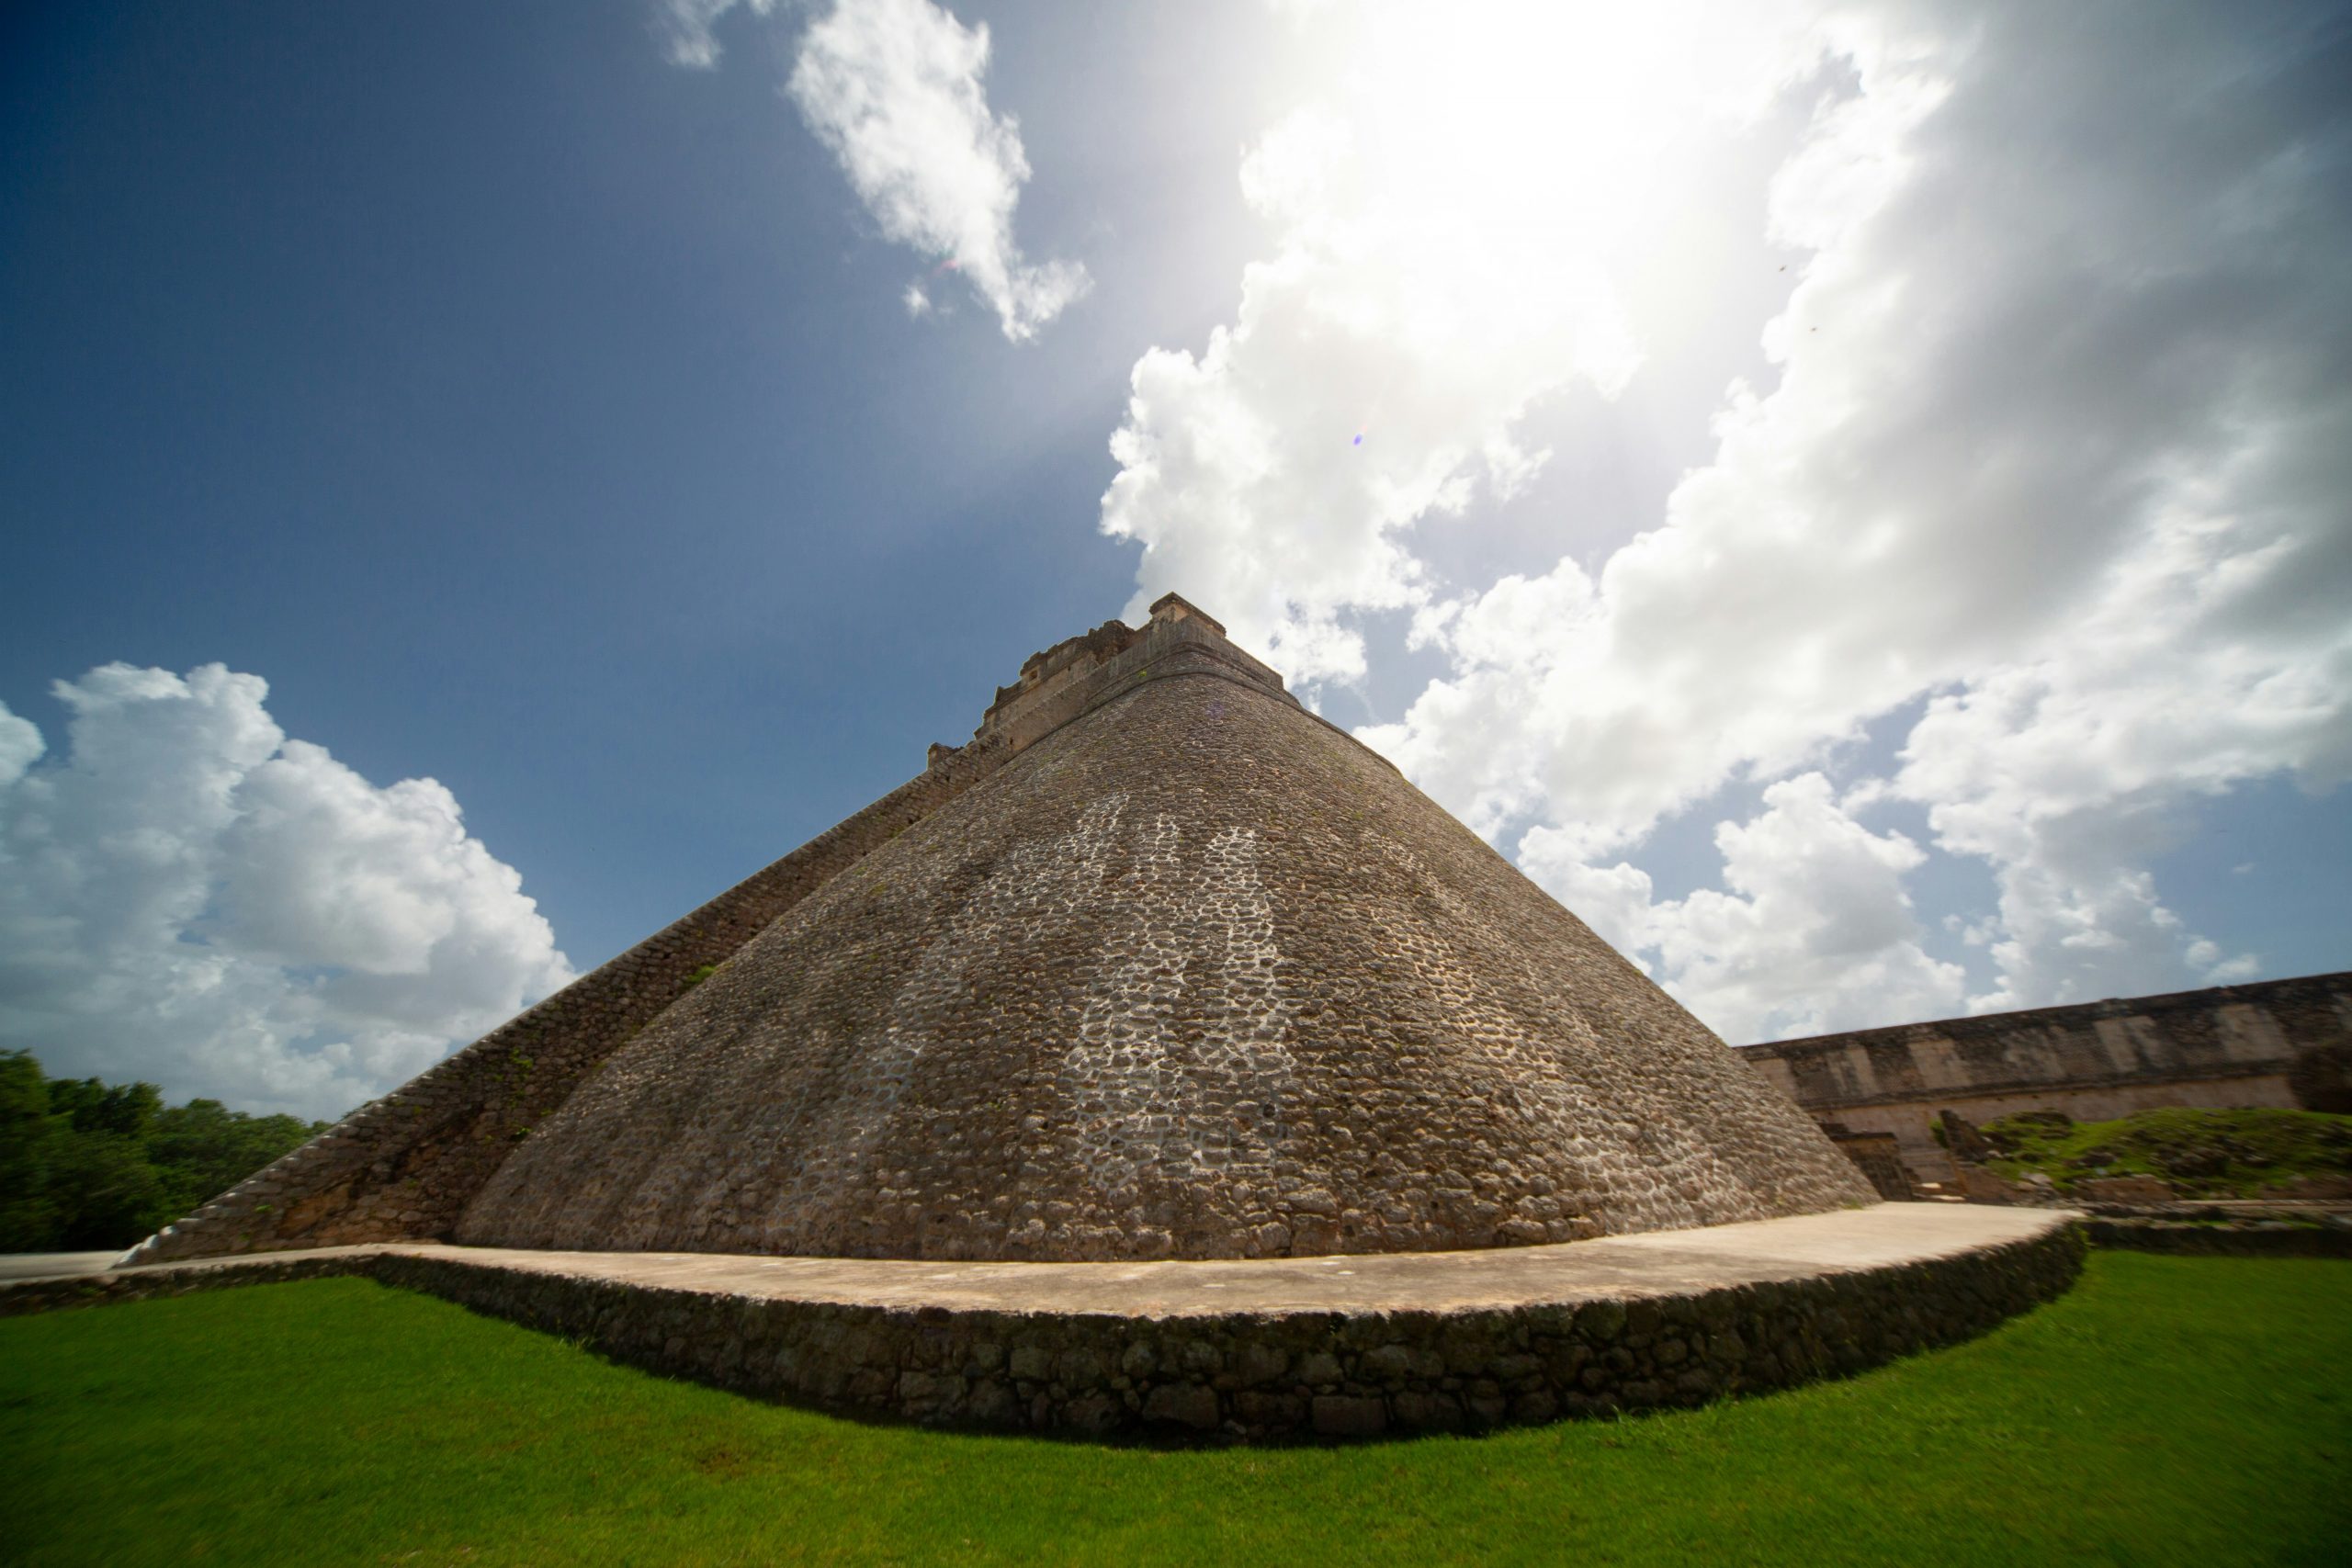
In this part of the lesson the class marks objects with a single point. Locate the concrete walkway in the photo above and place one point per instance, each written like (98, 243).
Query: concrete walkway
(1661, 1263)
(54, 1265)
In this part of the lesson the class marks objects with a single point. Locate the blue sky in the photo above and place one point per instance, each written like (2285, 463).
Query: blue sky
(1879, 554)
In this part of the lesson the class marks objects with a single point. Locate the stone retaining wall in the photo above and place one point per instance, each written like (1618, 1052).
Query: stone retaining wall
(20, 1298)
(1250, 1376)
(1312, 1374)
(2232, 1238)
(1322, 1374)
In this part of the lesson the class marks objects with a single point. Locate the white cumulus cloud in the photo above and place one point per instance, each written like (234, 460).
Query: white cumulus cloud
(1812, 933)
(894, 89)
(189, 897)
(2215, 655)
(20, 747)
(688, 28)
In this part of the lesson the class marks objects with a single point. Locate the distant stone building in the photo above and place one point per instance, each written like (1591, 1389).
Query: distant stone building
(2285, 1042)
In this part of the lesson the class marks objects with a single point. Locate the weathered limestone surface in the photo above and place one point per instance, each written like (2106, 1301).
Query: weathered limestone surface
(1330, 1348)
(1193, 975)
(2282, 1042)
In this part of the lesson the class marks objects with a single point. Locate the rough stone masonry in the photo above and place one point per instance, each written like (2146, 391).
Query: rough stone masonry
(1160, 965)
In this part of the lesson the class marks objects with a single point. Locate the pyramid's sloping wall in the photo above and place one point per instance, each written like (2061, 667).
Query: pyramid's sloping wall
(1192, 975)
(406, 1165)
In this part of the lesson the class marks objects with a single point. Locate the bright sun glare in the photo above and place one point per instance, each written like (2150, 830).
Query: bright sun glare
(1506, 169)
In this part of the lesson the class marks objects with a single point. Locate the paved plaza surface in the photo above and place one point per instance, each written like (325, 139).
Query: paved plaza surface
(1659, 1263)
(53, 1265)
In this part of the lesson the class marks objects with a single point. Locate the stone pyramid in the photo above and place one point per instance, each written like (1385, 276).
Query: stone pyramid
(1194, 975)
(1160, 966)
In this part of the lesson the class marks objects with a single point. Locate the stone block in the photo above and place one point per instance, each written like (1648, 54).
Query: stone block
(1344, 1416)
(1270, 1412)
(1600, 1322)
(1094, 1415)
(1200, 1359)
(1420, 1411)
(1979, 1185)
(1181, 1404)
(1533, 1408)
(1259, 1363)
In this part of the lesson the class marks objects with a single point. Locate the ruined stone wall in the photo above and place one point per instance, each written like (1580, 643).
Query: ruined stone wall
(1072, 679)
(2282, 1044)
(404, 1167)
(1878, 1156)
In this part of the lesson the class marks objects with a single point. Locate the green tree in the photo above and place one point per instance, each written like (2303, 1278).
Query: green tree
(105, 1193)
(85, 1163)
(123, 1109)
(27, 1218)
(203, 1148)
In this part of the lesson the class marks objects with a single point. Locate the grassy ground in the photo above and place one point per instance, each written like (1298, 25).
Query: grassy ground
(2170, 1410)
(2207, 1154)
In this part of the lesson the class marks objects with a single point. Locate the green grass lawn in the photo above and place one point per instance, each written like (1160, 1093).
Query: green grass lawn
(2170, 1410)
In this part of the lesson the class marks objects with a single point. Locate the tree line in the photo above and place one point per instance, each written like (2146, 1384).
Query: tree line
(86, 1164)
